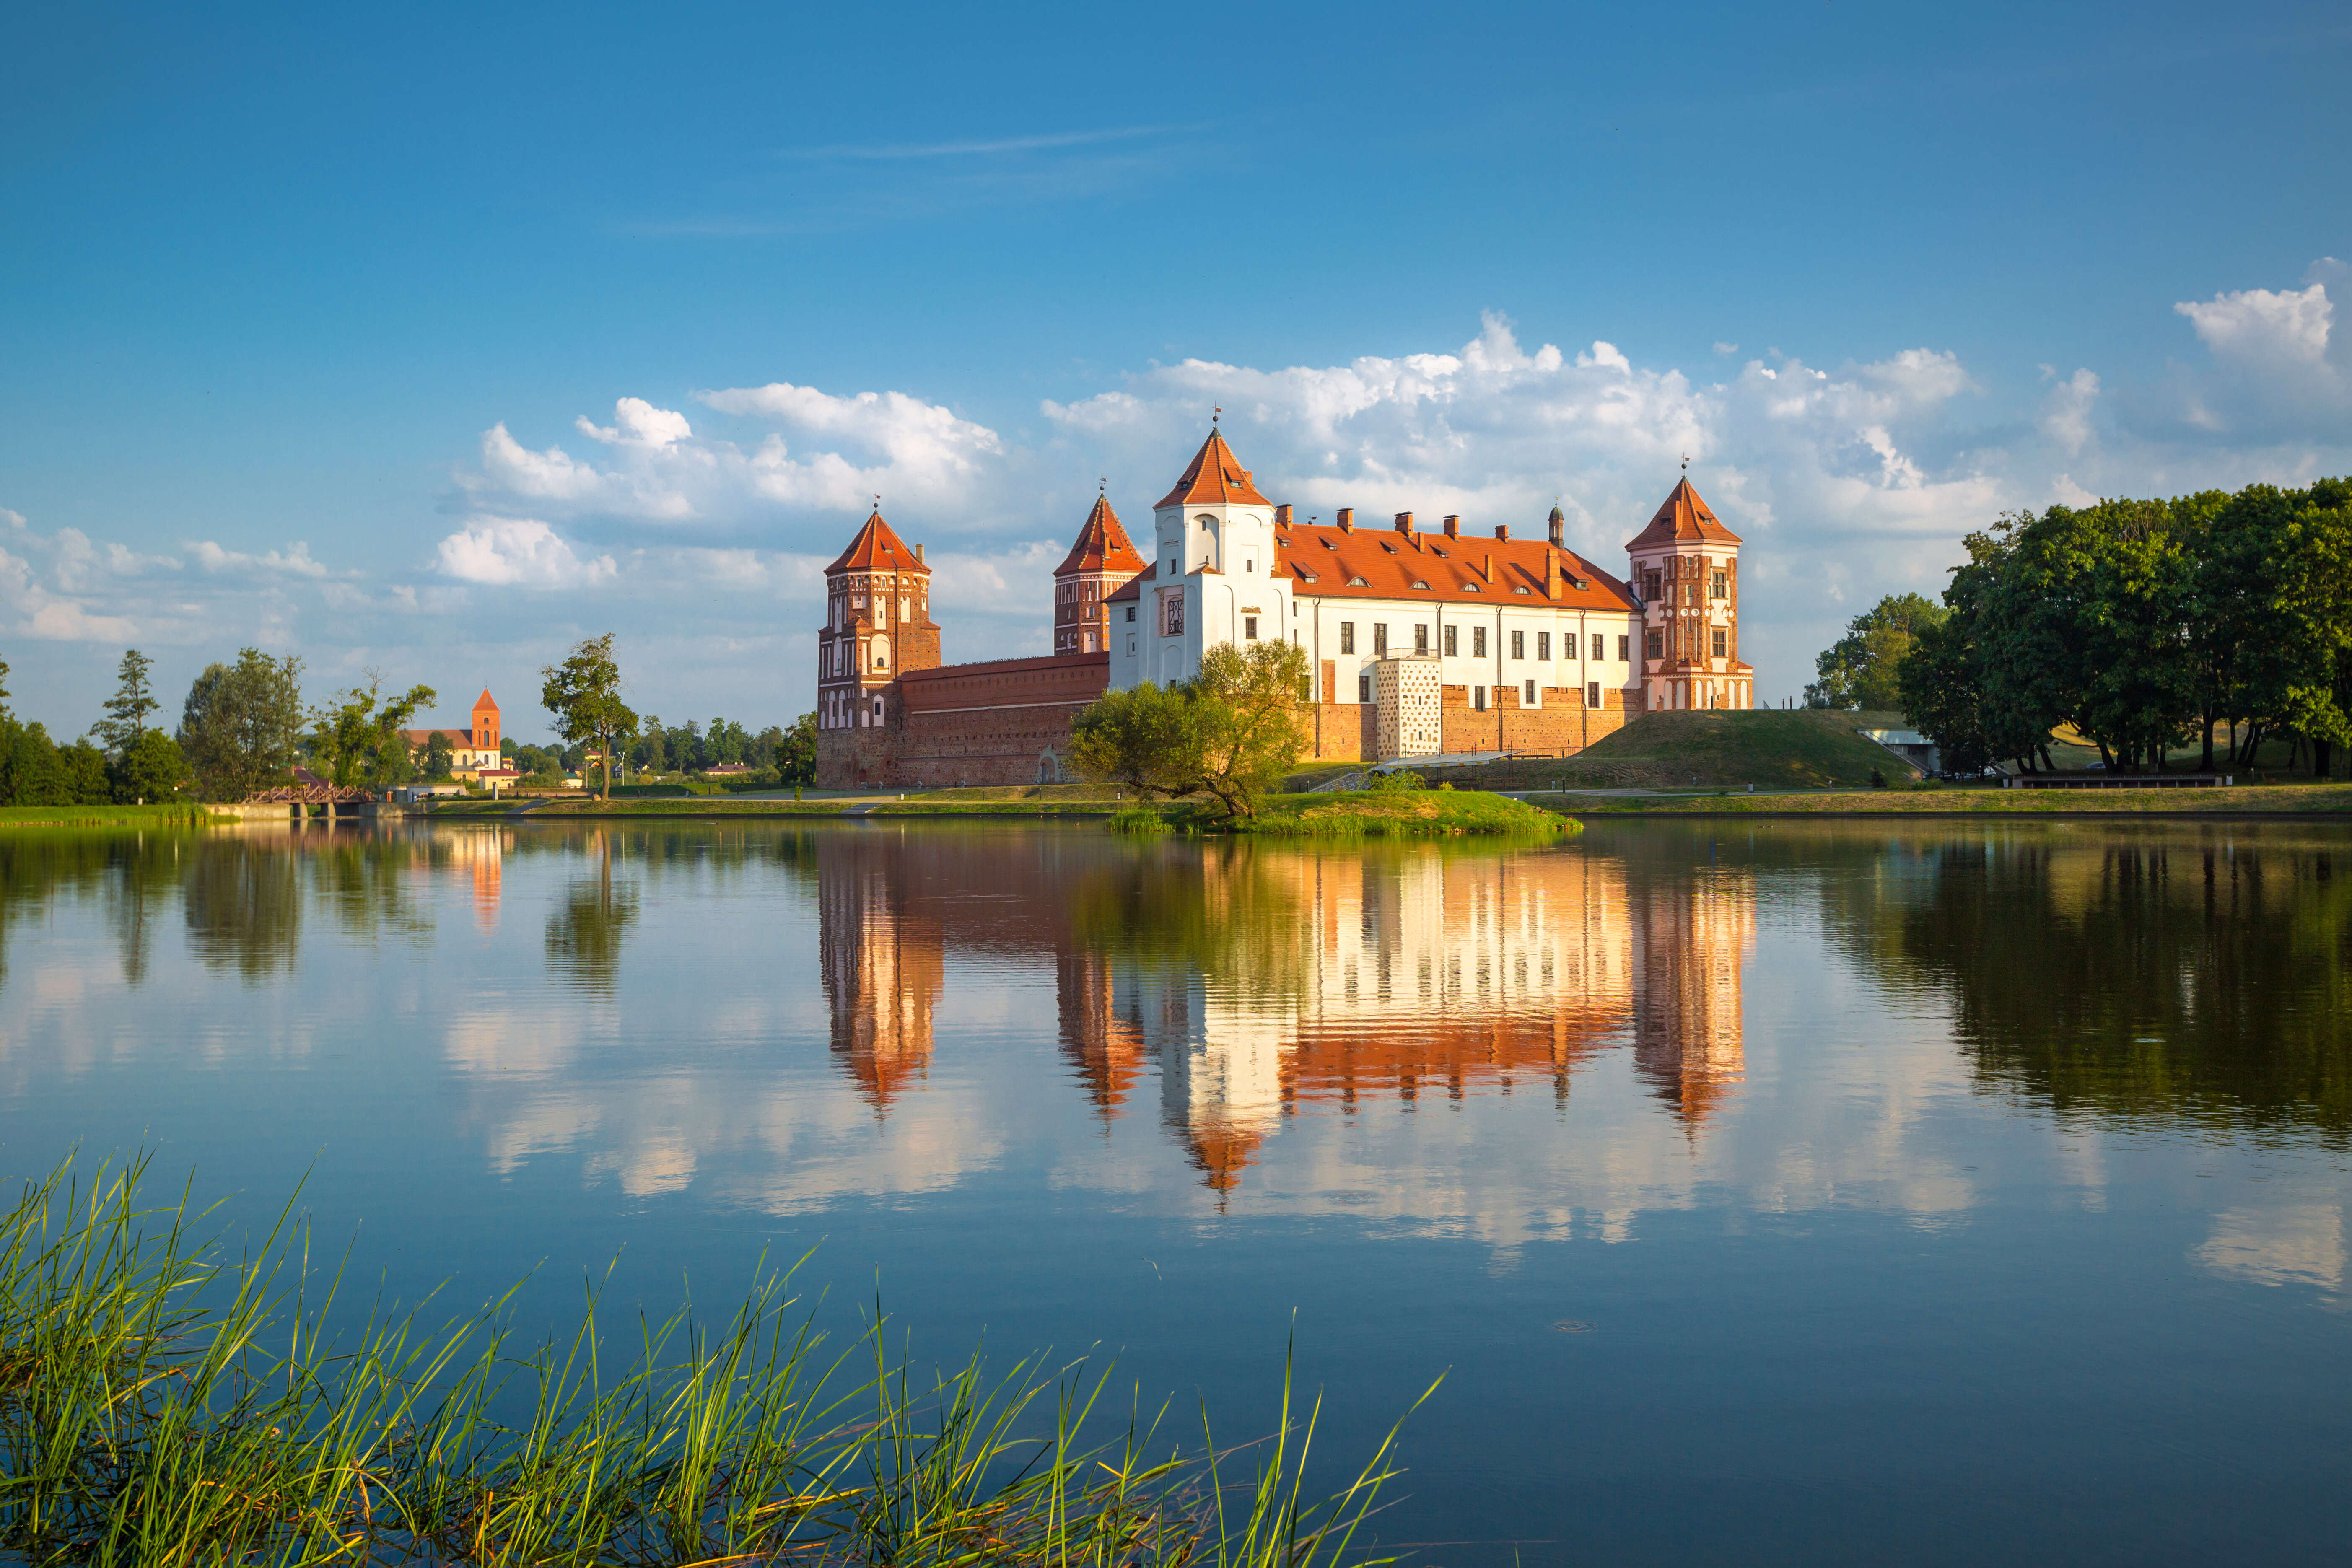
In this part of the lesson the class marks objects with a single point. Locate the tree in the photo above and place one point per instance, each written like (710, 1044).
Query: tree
(127, 709)
(241, 723)
(439, 754)
(583, 692)
(152, 769)
(1859, 672)
(356, 737)
(1233, 731)
(795, 756)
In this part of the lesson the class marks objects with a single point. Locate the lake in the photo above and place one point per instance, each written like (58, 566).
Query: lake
(1940, 1192)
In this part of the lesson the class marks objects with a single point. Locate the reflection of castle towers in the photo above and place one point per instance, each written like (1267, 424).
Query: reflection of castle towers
(882, 964)
(1105, 1049)
(1220, 1047)
(1691, 937)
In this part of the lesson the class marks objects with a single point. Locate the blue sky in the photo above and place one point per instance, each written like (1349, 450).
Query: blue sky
(424, 343)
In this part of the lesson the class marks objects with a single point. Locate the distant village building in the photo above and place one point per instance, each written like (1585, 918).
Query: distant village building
(1421, 643)
(472, 752)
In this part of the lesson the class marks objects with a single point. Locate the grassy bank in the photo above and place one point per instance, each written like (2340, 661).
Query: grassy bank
(1769, 747)
(713, 806)
(173, 816)
(2284, 800)
(164, 1401)
(1383, 814)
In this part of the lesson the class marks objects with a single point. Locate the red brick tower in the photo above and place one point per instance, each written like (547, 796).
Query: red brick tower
(1100, 563)
(877, 624)
(486, 723)
(1687, 571)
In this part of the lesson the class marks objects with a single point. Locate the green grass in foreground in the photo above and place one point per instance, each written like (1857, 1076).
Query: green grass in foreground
(174, 815)
(2268, 800)
(164, 1401)
(1382, 813)
(1770, 748)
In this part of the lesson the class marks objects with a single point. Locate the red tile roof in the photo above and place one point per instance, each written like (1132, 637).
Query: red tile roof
(1328, 560)
(1102, 545)
(1133, 588)
(1216, 476)
(1684, 519)
(483, 704)
(878, 549)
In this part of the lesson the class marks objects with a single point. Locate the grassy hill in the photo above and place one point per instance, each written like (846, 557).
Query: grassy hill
(1788, 748)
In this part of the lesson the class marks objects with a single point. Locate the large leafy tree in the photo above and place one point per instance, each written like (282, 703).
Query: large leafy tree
(583, 692)
(795, 754)
(241, 723)
(151, 768)
(359, 737)
(1231, 732)
(1859, 672)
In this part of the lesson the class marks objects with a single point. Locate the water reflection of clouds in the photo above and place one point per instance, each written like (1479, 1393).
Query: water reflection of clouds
(2291, 1243)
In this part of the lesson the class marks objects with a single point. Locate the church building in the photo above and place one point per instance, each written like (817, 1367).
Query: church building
(1423, 642)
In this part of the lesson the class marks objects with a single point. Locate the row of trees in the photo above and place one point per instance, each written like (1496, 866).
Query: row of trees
(243, 727)
(2144, 625)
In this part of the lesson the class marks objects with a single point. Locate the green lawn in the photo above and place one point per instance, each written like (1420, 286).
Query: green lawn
(1385, 814)
(2264, 800)
(1769, 747)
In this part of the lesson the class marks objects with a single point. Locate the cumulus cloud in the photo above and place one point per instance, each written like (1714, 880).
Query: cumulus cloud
(2275, 363)
(518, 553)
(293, 560)
(2262, 328)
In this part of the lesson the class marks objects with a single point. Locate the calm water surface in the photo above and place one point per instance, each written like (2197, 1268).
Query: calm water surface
(1940, 1192)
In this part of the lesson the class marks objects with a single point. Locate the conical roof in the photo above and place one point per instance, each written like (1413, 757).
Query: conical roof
(1102, 545)
(878, 549)
(1215, 476)
(1684, 519)
(483, 704)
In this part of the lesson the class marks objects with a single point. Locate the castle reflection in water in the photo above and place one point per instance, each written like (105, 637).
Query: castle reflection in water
(1258, 980)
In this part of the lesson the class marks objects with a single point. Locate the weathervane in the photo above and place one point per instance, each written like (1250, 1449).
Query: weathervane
(1213, 414)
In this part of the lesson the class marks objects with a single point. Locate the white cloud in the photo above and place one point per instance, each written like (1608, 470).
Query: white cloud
(294, 560)
(2066, 417)
(518, 553)
(2263, 328)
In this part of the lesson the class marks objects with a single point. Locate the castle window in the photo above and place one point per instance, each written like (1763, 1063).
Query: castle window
(1364, 687)
(1420, 638)
(1625, 650)
(1130, 612)
(1478, 698)
(1722, 586)
(1453, 643)
(1543, 645)
(1592, 695)
(1721, 651)
(1347, 636)
(1518, 645)
(1597, 644)
(1249, 628)
(1477, 642)
(1379, 639)
(1529, 700)
(1650, 585)
(1249, 565)
(1657, 645)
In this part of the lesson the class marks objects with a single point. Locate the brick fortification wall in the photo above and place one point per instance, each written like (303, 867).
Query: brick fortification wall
(989, 723)
(1561, 724)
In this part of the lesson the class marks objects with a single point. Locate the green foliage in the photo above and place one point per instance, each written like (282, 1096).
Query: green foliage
(1859, 672)
(241, 724)
(2145, 624)
(439, 756)
(361, 742)
(1233, 731)
(1138, 819)
(795, 755)
(127, 709)
(1396, 781)
(583, 692)
(36, 771)
(167, 1402)
(152, 770)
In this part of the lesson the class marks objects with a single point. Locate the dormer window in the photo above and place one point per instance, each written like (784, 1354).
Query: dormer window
(1326, 544)
(1521, 589)
(1434, 550)
(1387, 547)
(1419, 583)
(1358, 582)
(1469, 587)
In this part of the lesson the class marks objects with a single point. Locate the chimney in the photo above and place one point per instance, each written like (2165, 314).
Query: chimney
(1553, 587)
(1486, 568)
(1502, 530)
(1347, 520)
(1453, 526)
(1404, 522)
(918, 553)
(1282, 516)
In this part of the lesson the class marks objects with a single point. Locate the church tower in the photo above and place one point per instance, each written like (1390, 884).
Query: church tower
(877, 623)
(1686, 569)
(486, 724)
(1100, 563)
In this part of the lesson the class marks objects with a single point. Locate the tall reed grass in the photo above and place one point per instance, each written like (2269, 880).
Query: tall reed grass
(163, 1401)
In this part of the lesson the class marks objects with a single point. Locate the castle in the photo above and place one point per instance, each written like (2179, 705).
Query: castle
(1424, 643)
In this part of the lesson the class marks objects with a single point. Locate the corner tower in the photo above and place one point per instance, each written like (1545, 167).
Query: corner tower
(1213, 577)
(1686, 569)
(877, 623)
(1100, 563)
